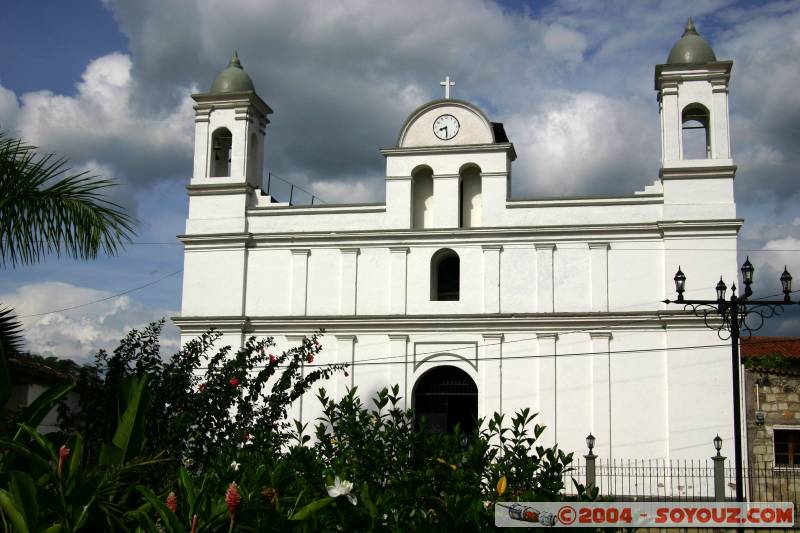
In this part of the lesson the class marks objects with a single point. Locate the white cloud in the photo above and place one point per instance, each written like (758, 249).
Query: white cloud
(79, 333)
(584, 143)
(107, 126)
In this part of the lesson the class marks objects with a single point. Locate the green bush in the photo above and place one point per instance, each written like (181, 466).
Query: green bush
(202, 441)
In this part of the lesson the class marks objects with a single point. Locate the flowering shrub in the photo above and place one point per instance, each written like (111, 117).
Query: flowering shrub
(204, 399)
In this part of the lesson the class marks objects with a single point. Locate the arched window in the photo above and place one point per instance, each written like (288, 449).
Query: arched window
(422, 198)
(221, 141)
(696, 132)
(470, 197)
(445, 276)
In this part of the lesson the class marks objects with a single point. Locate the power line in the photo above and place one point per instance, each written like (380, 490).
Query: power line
(620, 249)
(106, 298)
(382, 360)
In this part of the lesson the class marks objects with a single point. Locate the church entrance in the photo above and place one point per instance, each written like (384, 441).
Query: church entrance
(445, 396)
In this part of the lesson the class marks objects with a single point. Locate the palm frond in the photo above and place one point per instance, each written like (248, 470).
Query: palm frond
(44, 208)
(11, 339)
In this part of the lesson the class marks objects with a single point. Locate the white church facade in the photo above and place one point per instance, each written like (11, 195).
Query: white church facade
(473, 301)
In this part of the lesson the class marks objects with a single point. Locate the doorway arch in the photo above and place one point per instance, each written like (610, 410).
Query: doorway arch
(445, 396)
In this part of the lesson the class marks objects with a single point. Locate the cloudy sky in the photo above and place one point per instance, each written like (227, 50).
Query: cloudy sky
(107, 84)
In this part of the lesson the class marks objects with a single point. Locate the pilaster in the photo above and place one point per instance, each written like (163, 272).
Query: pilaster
(299, 283)
(601, 389)
(491, 278)
(398, 280)
(348, 281)
(599, 259)
(545, 296)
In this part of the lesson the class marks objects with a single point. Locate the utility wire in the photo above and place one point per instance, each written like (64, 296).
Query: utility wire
(106, 298)
(370, 362)
(613, 249)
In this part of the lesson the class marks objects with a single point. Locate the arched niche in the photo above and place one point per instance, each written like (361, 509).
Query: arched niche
(470, 206)
(443, 397)
(422, 197)
(221, 143)
(696, 133)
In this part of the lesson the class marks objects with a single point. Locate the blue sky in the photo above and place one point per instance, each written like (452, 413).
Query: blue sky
(107, 85)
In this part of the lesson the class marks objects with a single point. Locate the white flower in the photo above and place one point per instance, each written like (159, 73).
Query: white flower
(235, 466)
(341, 488)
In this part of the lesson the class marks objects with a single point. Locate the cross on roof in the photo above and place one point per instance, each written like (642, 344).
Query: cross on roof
(447, 84)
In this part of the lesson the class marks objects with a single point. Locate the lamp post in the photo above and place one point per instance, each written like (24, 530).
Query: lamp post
(735, 313)
(590, 462)
(719, 471)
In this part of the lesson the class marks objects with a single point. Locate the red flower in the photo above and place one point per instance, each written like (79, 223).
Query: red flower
(234, 381)
(246, 437)
(309, 358)
(202, 388)
(63, 453)
(346, 374)
(172, 502)
(272, 358)
(232, 498)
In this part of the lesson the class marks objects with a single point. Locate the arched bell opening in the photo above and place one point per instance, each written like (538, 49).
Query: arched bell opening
(443, 397)
(221, 142)
(696, 133)
(422, 198)
(469, 197)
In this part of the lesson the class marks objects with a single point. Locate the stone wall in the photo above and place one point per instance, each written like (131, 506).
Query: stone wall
(776, 394)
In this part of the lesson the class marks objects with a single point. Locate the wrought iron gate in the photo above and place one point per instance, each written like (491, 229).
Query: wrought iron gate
(445, 396)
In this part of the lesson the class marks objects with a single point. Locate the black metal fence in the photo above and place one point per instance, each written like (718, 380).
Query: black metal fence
(684, 480)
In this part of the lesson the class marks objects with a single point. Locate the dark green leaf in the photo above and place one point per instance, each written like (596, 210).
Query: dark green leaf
(311, 508)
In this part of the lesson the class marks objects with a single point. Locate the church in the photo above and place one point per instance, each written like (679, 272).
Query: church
(474, 301)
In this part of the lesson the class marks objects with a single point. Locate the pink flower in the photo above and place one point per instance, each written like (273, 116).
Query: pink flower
(272, 358)
(232, 498)
(234, 382)
(172, 502)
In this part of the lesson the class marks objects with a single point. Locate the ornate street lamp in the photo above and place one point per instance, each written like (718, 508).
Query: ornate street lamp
(591, 468)
(717, 444)
(739, 315)
(590, 442)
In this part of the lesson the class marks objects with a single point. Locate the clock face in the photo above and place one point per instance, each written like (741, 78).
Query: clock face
(446, 127)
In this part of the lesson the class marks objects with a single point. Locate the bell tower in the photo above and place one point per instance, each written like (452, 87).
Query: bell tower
(693, 95)
(696, 163)
(230, 121)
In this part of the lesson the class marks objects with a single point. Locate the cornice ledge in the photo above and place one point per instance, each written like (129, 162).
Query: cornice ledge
(698, 172)
(205, 189)
(455, 149)
(215, 238)
(671, 227)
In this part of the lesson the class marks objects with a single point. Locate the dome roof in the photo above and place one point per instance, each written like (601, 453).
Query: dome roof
(233, 79)
(691, 48)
